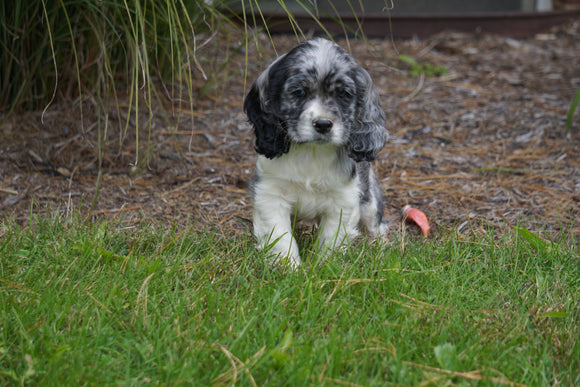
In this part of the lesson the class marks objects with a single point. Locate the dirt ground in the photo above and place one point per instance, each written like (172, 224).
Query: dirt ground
(483, 146)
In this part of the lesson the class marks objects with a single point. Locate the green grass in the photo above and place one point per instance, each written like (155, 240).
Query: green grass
(425, 68)
(572, 109)
(115, 63)
(73, 47)
(98, 304)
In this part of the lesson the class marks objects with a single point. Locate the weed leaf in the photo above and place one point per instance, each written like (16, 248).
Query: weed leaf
(427, 69)
(446, 356)
(408, 60)
(534, 240)
(280, 353)
(572, 109)
(555, 314)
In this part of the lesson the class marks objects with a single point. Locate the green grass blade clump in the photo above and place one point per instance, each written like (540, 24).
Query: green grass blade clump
(90, 42)
(97, 304)
(572, 109)
(112, 58)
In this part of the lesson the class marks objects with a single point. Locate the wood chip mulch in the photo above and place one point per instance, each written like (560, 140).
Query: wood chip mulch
(483, 146)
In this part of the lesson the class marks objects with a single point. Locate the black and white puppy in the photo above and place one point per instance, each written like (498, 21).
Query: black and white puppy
(318, 125)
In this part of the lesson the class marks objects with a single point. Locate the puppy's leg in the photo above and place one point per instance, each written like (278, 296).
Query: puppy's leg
(372, 218)
(273, 229)
(372, 206)
(338, 228)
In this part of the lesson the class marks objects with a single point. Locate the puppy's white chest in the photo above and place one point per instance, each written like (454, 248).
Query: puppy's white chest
(311, 179)
(314, 168)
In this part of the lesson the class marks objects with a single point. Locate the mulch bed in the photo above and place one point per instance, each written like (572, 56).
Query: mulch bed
(483, 146)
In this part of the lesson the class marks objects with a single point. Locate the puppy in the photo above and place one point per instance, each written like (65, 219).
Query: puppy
(318, 125)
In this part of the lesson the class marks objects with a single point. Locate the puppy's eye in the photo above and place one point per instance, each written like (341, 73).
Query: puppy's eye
(343, 94)
(299, 93)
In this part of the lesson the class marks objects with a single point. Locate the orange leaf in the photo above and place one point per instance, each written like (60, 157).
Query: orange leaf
(418, 217)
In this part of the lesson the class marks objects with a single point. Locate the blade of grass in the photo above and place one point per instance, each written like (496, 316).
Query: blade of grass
(53, 56)
(572, 110)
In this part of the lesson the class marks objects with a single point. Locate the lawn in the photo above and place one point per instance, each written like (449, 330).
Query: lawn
(99, 304)
(132, 111)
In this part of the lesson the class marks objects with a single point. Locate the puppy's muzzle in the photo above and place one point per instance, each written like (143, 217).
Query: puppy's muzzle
(322, 126)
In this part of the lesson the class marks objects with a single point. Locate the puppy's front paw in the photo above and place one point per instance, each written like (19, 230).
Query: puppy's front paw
(289, 261)
(282, 252)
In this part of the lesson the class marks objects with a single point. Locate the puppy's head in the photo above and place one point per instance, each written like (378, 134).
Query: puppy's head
(316, 93)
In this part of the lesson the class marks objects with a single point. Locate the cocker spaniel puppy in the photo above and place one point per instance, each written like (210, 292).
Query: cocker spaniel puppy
(318, 125)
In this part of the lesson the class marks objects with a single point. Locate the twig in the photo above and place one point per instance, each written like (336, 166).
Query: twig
(339, 382)
(468, 218)
(9, 191)
(115, 210)
(417, 88)
(473, 375)
(237, 367)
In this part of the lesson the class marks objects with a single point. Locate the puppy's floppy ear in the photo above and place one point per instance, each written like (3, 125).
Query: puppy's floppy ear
(271, 138)
(368, 133)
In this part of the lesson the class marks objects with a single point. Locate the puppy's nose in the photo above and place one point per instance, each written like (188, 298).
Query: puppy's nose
(322, 126)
